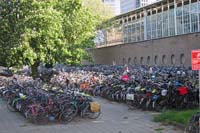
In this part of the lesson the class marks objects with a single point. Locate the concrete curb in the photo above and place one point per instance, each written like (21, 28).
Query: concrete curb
(181, 126)
(177, 125)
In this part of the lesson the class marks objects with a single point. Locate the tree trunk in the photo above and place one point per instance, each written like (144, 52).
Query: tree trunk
(34, 69)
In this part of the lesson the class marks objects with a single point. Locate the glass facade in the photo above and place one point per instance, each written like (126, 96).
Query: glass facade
(165, 24)
(194, 17)
(162, 24)
(159, 25)
(134, 31)
(179, 18)
(171, 28)
(148, 27)
(186, 19)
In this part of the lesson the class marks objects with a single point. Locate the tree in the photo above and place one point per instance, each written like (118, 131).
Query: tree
(9, 35)
(45, 31)
(100, 9)
(104, 13)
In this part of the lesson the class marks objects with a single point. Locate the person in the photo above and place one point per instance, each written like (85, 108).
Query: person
(150, 70)
(126, 69)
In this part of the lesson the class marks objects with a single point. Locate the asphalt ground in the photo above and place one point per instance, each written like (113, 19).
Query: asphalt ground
(115, 118)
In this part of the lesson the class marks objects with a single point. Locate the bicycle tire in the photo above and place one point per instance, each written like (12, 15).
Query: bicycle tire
(68, 113)
(10, 107)
(130, 105)
(41, 118)
(28, 115)
(87, 113)
(94, 115)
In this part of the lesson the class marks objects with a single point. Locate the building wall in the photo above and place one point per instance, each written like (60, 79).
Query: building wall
(141, 3)
(114, 4)
(169, 46)
(127, 5)
(130, 5)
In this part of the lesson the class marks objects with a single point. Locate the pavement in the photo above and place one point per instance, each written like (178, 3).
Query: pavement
(115, 118)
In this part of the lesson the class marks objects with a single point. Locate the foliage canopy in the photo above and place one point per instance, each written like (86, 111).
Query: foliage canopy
(45, 31)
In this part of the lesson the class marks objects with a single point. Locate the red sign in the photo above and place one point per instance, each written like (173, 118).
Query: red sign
(195, 59)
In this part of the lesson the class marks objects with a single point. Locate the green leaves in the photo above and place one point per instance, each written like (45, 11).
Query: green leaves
(46, 31)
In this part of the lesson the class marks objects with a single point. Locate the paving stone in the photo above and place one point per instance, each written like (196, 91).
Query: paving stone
(115, 118)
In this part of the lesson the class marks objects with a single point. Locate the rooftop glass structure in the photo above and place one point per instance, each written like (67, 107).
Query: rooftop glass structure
(162, 19)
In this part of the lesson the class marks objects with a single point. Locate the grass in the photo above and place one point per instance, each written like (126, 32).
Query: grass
(181, 117)
(159, 129)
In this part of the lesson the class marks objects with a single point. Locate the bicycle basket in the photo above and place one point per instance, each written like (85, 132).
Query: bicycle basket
(94, 107)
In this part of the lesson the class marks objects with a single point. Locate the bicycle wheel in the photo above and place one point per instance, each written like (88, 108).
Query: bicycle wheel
(194, 123)
(10, 106)
(142, 104)
(28, 114)
(68, 113)
(6, 95)
(41, 118)
(130, 105)
(192, 128)
(160, 106)
(87, 113)
(94, 115)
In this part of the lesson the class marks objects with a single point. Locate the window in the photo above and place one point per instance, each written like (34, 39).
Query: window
(137, 30)
(129, 33)
(165, 24)
(141, 60)
(125, 34)
(148, 60)
(179, 22)
(156, 60)
(171, 27)
(135, 60)
(199, 14)
(194, 17)
(124, 61)
(159, 25)
(142, 30)
(164, 60)
(148, 27)
(182, 59)
(153, 26)
(133, 38)
(172, 59)
(129, 60)
(186, 19)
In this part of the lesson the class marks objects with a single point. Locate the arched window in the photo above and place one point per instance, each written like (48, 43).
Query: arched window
(164, 59)
(129, 60)
(148, 60)
(124, 61)
(141, 60)
(173, 60)
(135, 60)
(182, 59)
(156, 60)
